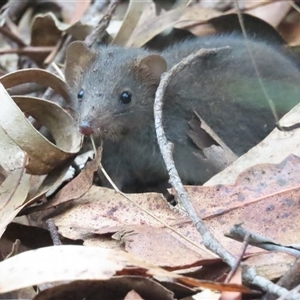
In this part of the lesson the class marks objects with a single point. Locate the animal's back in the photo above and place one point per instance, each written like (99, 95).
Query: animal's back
(225, 89)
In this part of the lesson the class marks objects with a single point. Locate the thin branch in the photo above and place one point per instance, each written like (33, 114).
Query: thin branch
(166, 149)
(238, 261)
(53, 232)
(238, 233)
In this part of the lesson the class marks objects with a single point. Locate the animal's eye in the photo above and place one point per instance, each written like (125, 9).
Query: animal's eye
(125, 97)
(80, 94)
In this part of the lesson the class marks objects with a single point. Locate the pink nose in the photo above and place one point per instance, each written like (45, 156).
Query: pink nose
(85, 128)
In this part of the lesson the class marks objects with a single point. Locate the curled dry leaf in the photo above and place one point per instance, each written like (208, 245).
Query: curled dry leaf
(44, 33)
(47, 20)
(11, 155)
(43, 156)
(52, 264)
(20, 140)
(38, 76)
(78, 29)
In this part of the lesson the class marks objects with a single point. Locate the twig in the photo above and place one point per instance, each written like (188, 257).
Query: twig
(15, 249)
(53, 232)
(290, 280)
(294, 290)
(10, 35)
(238, 233)
(250, 276)
(166, 149)
(238, 261)
(27, 50)
(99, 32)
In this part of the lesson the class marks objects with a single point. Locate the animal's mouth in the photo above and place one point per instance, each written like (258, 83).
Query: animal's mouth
(105, 128)
(86, 128)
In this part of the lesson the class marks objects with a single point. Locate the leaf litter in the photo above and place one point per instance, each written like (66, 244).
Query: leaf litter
(259, 190)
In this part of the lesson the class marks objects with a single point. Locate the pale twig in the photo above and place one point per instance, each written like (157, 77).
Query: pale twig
(53, 232)
(238, 233)
(239, 259)
(166, 149)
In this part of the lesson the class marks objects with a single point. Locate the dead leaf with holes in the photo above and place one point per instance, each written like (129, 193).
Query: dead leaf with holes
(102, 211)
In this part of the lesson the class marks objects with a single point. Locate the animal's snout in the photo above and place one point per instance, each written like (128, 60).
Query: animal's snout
(85, 128)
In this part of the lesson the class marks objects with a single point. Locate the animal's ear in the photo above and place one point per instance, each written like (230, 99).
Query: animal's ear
(78, 58)
(153, 66)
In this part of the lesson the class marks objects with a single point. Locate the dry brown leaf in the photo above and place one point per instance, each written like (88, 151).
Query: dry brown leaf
(14, 191)
(134, 12)
(159, 247)
(11, 155)
(271, 265)
(44, 33)
(48, 19)
(276, 147)
(38, 76)
(40, 266)
(195, 15)
(44, 157)
(273, 13)
(91, 263)
(151, 25)
(101, 211)
(73, 12)
(289, 28)
(264, 199)
(77, 29)
(78, 186)
(237, 278)
(263, 188)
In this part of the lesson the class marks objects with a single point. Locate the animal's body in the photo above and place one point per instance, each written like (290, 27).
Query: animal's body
(113, 93)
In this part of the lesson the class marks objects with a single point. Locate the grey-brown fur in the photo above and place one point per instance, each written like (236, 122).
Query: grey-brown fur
(222, 88)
